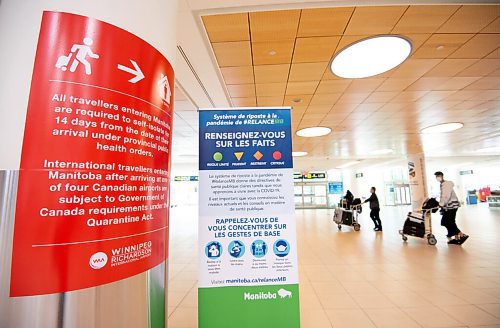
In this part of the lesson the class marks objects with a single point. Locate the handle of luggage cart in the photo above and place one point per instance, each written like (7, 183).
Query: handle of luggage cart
(429, 210)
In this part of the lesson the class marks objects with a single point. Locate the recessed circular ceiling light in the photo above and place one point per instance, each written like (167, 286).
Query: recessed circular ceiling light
(316, 131)
(299, 153)
(272, 52)
(382, 151)
(442, 128)
(371, 56)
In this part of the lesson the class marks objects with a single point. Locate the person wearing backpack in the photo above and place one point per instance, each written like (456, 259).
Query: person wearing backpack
(374, 209)
(448, 201)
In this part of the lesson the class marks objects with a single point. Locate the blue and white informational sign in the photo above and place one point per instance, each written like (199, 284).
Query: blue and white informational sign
(247, 235)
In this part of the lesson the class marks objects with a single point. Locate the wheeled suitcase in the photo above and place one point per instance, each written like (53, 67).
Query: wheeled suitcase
(346, 218)
(414, 225)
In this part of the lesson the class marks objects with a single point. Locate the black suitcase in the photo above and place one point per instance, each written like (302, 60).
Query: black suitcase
(414, 225)
(347, 217)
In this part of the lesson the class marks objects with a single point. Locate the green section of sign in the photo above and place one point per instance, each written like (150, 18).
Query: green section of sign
(274, 306)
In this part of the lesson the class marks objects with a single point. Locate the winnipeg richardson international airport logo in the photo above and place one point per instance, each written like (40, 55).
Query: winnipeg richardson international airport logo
(98, 260)
(280, 294)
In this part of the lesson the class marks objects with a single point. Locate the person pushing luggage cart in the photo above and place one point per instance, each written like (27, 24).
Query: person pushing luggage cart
(374, 209)
(448, 201)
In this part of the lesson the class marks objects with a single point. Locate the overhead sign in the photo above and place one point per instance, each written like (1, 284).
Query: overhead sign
(466, 172)
(335, 187)
(314, 176)
(93, 199)
(359, 175)
(247, 238)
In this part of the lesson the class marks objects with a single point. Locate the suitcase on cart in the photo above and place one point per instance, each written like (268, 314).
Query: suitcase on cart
(346, 217)
(414, 225)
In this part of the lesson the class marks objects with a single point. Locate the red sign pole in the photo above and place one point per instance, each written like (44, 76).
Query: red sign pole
(93, 199)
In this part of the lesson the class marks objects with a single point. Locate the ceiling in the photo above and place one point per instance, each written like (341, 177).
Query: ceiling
(281, 58)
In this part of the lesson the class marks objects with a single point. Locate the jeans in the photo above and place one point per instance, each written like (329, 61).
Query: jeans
(375, 216)
(448, 221)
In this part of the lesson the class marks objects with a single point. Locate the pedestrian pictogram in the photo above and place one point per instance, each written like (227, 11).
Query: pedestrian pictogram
(80, 53)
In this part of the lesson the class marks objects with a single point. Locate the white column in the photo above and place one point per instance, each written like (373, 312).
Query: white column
(417, 178)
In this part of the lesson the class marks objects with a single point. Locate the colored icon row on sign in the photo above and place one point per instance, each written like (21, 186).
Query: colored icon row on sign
(236, 248)
(217, 156)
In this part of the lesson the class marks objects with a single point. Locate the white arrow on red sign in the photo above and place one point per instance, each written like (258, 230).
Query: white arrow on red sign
(135, 71)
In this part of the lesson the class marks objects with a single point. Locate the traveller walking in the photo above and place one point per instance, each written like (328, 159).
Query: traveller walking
(374, 209)
(448, 201)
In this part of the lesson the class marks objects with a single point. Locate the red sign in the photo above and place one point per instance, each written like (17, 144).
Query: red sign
(93, 199)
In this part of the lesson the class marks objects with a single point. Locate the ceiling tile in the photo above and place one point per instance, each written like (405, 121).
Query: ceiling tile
(324, 21)
(233, 53)
(396, 84)
(381, 96)
(481, 68)
(441, 45)
(470, 19)
(435, 16)
(270, 101)
(456, 83)
(408, 96)
(354, 98)
(276, 52)
(333, 86)
(478, 47)
(244, 102)
(237, 75)
(241, 90)
(317, 49)
(485, 83)
(271, 73)
(494, 27)
(274, 25)
(319, 109)
(450, 67)
(414, 68)
(427, 83)
(227, 27)
(270, 89)
(325, 99)
(306, 88)
(365, 85)
(374, 19)
(307, 71)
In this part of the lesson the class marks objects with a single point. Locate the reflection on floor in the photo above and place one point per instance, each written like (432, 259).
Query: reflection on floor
(367, 279)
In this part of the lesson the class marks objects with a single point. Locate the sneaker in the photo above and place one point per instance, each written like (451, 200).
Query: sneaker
(462, 239)
(453, 242)
(375, 229)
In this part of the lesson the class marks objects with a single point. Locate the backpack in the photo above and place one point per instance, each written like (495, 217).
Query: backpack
(430, 203)
(355, 202)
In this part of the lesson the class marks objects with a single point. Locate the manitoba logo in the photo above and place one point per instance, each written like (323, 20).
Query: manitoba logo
(98, 260)
(282, 293)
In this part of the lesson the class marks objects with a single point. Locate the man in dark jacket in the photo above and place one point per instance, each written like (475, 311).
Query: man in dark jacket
(374, 209)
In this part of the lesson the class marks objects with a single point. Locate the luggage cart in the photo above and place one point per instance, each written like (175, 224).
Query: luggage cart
(419, 224)
(347, 217)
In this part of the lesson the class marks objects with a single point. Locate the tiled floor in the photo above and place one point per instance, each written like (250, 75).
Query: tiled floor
(366, 279)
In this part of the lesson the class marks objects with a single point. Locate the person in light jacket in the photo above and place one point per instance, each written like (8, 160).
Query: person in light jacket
(374, 209)
(448, 201)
